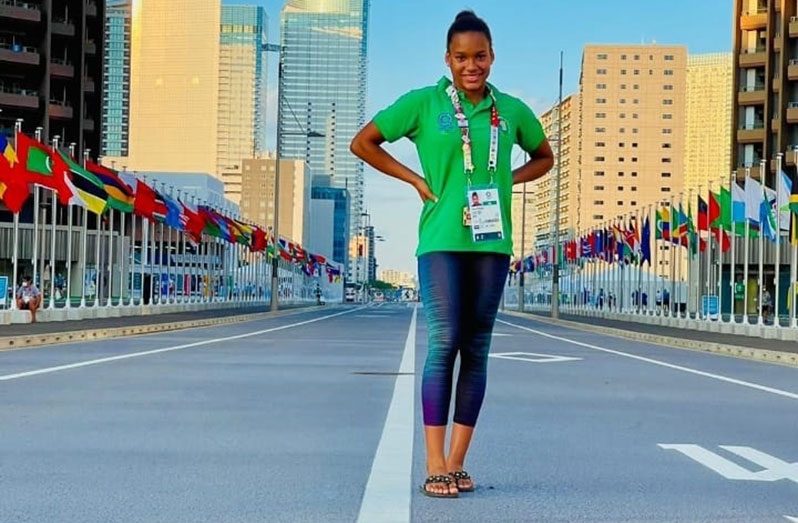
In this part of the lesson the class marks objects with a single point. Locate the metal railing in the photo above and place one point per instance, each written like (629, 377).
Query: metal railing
(752, 88)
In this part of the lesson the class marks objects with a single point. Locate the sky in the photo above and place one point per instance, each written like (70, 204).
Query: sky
(406, 44)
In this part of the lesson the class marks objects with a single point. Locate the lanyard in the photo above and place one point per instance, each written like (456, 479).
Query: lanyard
(462, 123)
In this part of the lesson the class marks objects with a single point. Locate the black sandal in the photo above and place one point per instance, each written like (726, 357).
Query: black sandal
(462, 475)
(438, 479)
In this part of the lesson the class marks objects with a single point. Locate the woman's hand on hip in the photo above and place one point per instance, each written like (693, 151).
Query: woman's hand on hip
(423, 190)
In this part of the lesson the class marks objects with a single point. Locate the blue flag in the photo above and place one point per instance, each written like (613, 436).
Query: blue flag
(645, 243)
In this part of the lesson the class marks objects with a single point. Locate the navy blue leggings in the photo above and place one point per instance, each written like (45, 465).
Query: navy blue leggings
(461, 292)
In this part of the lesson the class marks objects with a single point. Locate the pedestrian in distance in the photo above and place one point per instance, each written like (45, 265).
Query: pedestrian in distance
(28, 297)
(464, 130)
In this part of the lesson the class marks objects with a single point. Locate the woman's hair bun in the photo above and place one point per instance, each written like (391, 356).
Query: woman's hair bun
(466, 14)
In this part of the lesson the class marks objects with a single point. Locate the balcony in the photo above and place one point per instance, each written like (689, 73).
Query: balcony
(61, 68)
(88, 85)
(19, 98)
(792, 69)
(754, 133)
(754, 170)
(63, 27)
(19, 54)
(792, 112)
(793, 26)
(90, 47)
(751, 95)
(777, 42)
(88, 124)
(91, 9)
(756, 57)
(754, 20)
(792, 155)
(775, 123)
(20, 11)
(60, 110)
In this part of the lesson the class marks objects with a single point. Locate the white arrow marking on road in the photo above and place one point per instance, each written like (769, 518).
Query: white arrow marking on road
(532, 357)
(775, 469)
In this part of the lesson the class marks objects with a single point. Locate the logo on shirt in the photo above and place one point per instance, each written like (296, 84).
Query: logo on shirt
(445, 122)
(503, 125)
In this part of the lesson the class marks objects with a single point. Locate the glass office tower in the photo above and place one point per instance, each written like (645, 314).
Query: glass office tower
(323, 90)
(116, 73)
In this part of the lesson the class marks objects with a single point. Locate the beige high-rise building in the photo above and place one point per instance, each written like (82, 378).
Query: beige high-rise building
(398, 278)
(632, 105)
(709, 114)
(541, 193)
(174, 91)
(257, 196)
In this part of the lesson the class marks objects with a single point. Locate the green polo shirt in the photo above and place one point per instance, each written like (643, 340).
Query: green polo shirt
(426, 117)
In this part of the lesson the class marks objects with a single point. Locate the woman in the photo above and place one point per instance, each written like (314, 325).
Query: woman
(464, 130)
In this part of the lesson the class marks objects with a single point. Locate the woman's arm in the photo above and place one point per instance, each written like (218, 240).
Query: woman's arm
(540, 162)
(367, 145)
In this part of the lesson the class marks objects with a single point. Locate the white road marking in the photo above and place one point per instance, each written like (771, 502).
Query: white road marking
(532, 357)
(774, 468)
(387, 494)
(495, 334)
(373, 315)
(791, 518)
(718, 377)
(48, 370)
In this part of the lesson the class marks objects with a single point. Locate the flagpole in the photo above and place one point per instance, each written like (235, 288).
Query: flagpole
(763, 196)
(733, 273)
(655, 255)
(720, 253)
(68, 302)
(36, 202)
(793, 268)
(132, 257)
(746, 250)
(15, 248)
(777, 267)
(171, 296)
(709, 265)
(53, 211)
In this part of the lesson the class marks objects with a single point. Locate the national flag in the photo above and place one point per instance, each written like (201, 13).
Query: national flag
(259, 240)
(120, 194)
(703, 215)
(783, 205)
(14, 189)
(42, 166)
(645, 244)
(148, 203)
(716, 217)
(753, 199)
(192, 222)
(738, 204)
(211, 228)
(88, 190)
(793, 195)
(766, 217)
(663, 225)
(174, 211)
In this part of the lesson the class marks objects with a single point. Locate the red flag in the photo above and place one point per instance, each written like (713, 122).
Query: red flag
(193, 222)
(14, 189)
(148, 203)
(40, 165)
(258, 240)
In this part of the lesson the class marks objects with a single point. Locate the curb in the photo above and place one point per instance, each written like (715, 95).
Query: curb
(762, 355)
(10, 343)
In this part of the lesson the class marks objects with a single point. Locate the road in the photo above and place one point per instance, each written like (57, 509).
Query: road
(314, 417)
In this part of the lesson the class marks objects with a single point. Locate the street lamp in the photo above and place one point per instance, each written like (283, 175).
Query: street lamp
(274, 304)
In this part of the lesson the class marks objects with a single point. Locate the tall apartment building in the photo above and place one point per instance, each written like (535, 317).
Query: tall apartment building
(242, 91)
(323, 89)
(398, 278)
(329, 229)
(174, 86)
(765, 80)
(541, 194)
(257, 196)
(632, 107)
(116, 78)
(709, 106)
(51, 69)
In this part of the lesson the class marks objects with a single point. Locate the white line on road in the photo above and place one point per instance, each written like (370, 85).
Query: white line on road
(718, 377)
(792, 519)
(48, 370)
(387, 495)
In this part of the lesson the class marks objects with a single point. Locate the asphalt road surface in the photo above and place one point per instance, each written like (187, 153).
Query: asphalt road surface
(315, 417)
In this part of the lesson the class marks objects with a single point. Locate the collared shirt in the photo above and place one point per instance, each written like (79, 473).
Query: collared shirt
(426, 117)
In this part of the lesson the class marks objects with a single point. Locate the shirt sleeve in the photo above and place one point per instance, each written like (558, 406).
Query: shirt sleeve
(530, 133)
(401, 119)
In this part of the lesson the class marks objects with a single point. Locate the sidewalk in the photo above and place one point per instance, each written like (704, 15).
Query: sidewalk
(45, 333)
(760, 349)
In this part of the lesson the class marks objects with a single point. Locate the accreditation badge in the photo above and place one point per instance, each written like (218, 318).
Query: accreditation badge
(486, 214)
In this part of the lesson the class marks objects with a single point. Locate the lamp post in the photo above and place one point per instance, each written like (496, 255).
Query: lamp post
(275, 286)
(555, 275)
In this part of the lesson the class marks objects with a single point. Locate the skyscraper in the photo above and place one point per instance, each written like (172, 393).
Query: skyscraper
(709, 109)
(174, 88)
(242, 88)
(116, 78)
(323, 89)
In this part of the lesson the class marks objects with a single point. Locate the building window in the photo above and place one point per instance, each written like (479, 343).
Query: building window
(634, 174)
(623, 71)
(598, 158)
(636, 86)
(601, 144)
(601, 86)
(621, 144)
(598, 216)
(635, 101)
(669, 57)
(598, 173)
(620, 188)
(620, 174)
(666, 160)
(601, 115)
(634, 203)
(601, 100)
(598, 202)
(637, 57)
(665, 189)
(634, 144)
(667, 101)
(601, 56)
(666, 146)
(634, 130)
(598, 187)
(634, 188)
(601, 129)
(623, 57)
(667, 131)
(623, 86)
(620, 159)
(623, 100)
(668, 72)
(637, 72)
(667, 87)
(620, 202)
(665, 175)
(622, 115)
(667, 116)
(622, 130)
(634, 116)
(601, 71)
